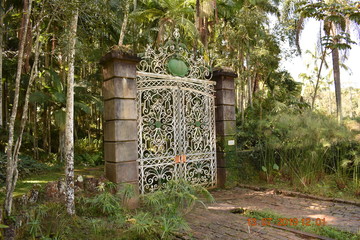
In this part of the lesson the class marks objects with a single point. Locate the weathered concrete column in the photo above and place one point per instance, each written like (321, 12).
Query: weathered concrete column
(120, 116)
(225, 120)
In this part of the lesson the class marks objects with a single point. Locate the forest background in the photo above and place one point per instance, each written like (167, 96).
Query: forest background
(304, 134)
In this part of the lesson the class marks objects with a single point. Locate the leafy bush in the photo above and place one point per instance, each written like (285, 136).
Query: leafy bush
(88, 145)
(300, 143)
(163, 211)
(301, 146)
(88, 159)
(177, 196)
(27, 166)
(88, 152)
(104, 216)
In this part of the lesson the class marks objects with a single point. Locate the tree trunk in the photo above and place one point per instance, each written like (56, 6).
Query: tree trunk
(199, 20)
(249, 88)
(11, 168)
(197, 16)
(124, 24)
(351, 103)
(49, 139)
(336, 69)
(45, 128)
(35, 131)
(1, 62)
(256, 84)
(237, 96)
(24, 117)
(242, 108)
(330, 100)
(6, 102)
(62, 145)
(249, 81)
(318, 79)
(69, 127)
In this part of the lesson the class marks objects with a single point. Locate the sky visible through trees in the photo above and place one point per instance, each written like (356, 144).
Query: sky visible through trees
(309, 41)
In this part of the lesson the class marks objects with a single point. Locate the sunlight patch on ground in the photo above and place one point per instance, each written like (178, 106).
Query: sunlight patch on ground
(260, 193)
(316, 206)
(222, 207)
(321, 216)
(35, 181)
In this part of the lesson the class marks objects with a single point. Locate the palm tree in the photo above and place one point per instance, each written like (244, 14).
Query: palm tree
(162, 16)
(337, 16)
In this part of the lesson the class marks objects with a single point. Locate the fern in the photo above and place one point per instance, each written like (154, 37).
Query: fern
(166, 209)
(106, 203)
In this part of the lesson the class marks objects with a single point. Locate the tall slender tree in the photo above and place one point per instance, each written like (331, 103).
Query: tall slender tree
(12, 159)
(244, 39)
(337, 16)
(69, 129)
(2, 5)
(124, 23)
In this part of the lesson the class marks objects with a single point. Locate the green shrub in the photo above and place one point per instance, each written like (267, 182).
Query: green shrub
(26, 166)
(105, 204)
(303, 146)
(46, 221)
(164, 210)
(88, 152)
(88, 159)
(104, 216)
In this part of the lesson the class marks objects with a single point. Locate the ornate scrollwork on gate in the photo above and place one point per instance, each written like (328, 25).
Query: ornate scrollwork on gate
(157, 118)
(176, 123)
(162, 59)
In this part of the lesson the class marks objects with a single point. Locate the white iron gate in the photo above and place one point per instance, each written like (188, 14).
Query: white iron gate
(176, 121)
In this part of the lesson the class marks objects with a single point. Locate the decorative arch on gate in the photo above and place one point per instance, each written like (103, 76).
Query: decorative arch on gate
(176, 117)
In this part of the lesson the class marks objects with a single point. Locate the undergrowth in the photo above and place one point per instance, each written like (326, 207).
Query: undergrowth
(106, 215)
(27, 166)
(301, 148)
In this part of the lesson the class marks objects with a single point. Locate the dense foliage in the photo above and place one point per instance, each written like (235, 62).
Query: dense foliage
(286, 131)
(298, 146)
(106, 215)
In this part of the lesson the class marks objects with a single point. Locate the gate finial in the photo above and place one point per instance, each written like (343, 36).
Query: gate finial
(176, 34)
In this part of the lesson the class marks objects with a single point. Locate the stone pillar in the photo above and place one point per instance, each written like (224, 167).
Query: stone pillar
(120, 117)
(225, 120)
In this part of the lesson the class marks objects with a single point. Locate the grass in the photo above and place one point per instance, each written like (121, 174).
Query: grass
(324, 188)
(321, 230)
(25, 185)
(106, 216)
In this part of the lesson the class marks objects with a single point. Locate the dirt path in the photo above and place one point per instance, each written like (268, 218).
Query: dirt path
(217, 222)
